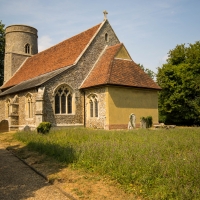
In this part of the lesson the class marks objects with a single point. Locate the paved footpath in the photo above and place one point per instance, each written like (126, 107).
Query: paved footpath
(18, 181)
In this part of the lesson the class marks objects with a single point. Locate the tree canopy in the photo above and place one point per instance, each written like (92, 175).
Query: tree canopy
(2, 51)
(179, 78)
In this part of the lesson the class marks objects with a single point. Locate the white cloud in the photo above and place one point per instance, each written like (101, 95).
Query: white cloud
(44, 42)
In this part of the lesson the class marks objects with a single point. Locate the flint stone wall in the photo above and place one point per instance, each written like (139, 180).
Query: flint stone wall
(96, 122)
(23, 118)
(2, 108)
(20, 118)
(74, 77)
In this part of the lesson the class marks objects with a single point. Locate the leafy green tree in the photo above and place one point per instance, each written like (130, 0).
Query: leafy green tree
(2, 51)
(179, 78)
(147, 71)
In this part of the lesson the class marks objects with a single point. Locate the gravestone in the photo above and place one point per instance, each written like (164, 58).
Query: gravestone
(27, 128)
(132, 119)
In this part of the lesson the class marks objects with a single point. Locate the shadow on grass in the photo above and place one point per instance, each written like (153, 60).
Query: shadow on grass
(45, 158)
(63, 154)
(17, 180)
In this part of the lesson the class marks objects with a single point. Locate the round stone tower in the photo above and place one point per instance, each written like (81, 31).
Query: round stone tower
(21, 43)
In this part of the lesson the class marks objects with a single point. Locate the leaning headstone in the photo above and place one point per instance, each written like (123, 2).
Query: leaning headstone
(4, 126)
(131, 123)
(27, 128)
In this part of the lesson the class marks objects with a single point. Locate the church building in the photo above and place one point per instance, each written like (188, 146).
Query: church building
(88, 80)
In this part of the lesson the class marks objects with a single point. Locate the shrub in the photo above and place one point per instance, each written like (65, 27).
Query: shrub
(44, 127)
(149, 121)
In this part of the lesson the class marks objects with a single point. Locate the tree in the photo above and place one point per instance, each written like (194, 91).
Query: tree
(179, 78)
(2, 51)
(147, 71)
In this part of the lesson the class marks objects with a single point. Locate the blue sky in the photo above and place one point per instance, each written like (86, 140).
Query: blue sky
(148, 28)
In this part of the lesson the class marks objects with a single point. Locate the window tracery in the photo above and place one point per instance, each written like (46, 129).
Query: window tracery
(29, 105)
(94, 107)
(63, 100)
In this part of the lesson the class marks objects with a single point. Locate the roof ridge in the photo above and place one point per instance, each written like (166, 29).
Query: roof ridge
(67, 39)
(111, 63)
(118, 44)
(94, 65)
(109, 71)
(62, 54)
(43, 51)
(100, 26)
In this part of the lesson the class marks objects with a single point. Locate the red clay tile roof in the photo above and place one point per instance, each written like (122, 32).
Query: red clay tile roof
(100, 73)
(61, 55)
(110, 70)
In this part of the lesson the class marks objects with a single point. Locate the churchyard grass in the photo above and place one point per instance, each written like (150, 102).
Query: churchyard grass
(153, 164)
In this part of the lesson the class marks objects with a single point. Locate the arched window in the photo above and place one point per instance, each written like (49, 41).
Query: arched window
(63, 100)
(27, 48)
(94, 107)
(106, 37)
(15, 105)
(29, 105)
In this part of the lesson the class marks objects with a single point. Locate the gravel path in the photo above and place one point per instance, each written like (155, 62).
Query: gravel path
(18, 181)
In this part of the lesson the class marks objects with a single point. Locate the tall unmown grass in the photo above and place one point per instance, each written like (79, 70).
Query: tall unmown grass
(155, 164)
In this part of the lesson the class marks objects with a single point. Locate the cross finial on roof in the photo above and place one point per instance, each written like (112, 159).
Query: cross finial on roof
(105, 14)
